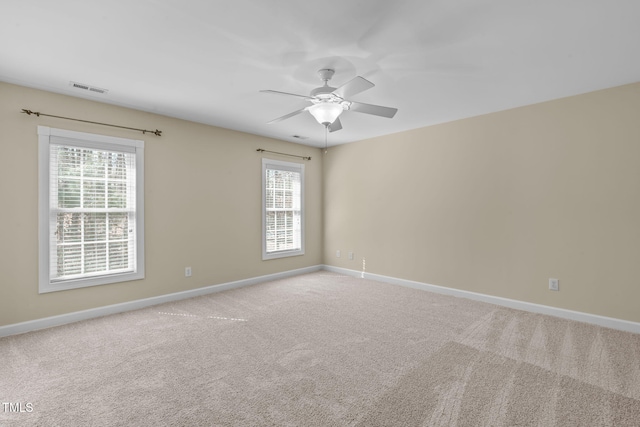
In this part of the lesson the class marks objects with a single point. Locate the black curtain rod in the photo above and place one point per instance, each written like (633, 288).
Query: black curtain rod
(155, 132)
(284, 154)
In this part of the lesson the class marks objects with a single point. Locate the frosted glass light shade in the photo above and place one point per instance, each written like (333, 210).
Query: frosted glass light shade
(326, 112)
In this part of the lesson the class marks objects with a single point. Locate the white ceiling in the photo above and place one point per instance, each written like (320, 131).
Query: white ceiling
(434, 60)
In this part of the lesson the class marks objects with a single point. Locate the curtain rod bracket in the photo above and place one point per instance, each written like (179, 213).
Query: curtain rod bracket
(144, 131)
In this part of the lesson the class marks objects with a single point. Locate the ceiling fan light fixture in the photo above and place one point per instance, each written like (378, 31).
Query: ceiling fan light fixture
(326, 112)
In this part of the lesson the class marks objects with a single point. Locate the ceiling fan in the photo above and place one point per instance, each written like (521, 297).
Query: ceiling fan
(327, 103)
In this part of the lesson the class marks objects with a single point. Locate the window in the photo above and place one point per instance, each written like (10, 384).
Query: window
(91, 210)
(282, 214)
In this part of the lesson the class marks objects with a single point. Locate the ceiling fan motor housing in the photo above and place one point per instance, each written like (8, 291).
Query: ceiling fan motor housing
(322, 92)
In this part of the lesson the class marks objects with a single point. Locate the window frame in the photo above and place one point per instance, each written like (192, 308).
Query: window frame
(284, 166)
(91, 141)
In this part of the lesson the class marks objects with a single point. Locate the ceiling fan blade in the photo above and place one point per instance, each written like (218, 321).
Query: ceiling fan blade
(287, 93)
(336, 125)
(286, 116)
(376, 110)
(354, 86)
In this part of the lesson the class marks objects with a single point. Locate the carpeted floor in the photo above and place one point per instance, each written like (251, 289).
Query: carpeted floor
(322, 350)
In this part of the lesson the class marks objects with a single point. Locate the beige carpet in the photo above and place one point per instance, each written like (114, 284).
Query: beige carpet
(323, 350)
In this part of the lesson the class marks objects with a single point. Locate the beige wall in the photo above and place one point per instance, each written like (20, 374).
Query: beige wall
(498, 204)
(202, 202)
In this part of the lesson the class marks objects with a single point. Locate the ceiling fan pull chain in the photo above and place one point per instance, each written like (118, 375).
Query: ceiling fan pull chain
(326, 131)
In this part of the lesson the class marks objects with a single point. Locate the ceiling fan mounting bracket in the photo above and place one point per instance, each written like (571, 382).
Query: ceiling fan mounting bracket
(326, 74)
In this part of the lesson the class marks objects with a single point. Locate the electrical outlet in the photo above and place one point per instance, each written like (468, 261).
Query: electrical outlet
(554, 285)
(187, 272)
(338, 254)
(351, 255)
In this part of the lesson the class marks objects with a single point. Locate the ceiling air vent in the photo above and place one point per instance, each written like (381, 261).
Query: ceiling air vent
(300, 137)
(88, 88)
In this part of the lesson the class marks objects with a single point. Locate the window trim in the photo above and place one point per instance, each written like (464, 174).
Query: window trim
(88, 140)
(287, 166)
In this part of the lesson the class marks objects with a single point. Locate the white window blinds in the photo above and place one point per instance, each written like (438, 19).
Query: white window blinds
(282, 209)
(92, 203)
(93, 211)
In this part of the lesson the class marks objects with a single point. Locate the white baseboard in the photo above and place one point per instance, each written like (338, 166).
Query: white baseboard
(47, 322)
(607, 322)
